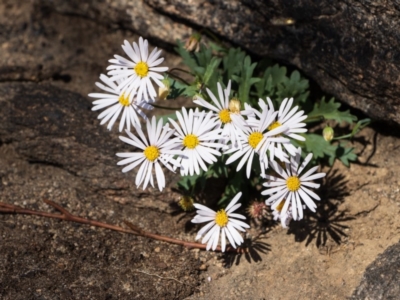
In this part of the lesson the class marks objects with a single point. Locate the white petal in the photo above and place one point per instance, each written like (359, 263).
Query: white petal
(305, 162)
(209, 234)
(307, 200)
(233, 202)
(313, 177)
(230, 238)
(223, 241)
(204, 229)
(160, 176)
(311, 193)
(216, 238)
(240, 223)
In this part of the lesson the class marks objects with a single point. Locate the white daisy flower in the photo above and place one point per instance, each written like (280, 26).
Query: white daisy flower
(139, 72)
(293, 188)
(223, 221)
(292, 120)
(197, 135)
(225, 112)
(284, 218)
(115, 103)
(252, 138)
(158, 148)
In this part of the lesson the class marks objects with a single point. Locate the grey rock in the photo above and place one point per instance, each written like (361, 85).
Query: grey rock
(348, 47)
(49, 125)
(381, 279)
(52, 147)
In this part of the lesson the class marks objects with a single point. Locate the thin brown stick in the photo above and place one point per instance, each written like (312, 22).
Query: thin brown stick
(67, 216)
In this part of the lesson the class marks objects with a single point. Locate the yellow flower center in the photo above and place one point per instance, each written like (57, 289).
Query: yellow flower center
(151, 153)
(225, 116)
(280, 205)
(234, 106)
(124, 100)
(274, 125)
(293, 183)
(141, 69)
(254, 139)
(221, 218)
(190, 141)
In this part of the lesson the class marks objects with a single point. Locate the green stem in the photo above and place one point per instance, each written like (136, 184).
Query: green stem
(181, 70)
(360, 125)
(314, 119)
(193, 189)
(178, 77)
(169, 108)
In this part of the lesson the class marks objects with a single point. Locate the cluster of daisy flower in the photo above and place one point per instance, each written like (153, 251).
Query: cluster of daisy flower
(197, 137)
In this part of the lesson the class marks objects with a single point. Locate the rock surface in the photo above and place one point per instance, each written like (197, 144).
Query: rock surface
(381, 280)
(52, 147)
(348, 48)
(48, 125)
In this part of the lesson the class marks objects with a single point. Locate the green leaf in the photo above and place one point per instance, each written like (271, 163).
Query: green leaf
(217, 48)
(293, 87)
(181, 89)
(199, 71)
(186, 56)
(319, 147)
(166, 118)
(188, 183)
(277, 73)
(191, 90)
(316, 144)
(176, 89)
(204, 56)
(219, 168)
(232, 63)
(235, 185)
(345, 155)
(245, 80)
(211, 74)
(330, 111)
(276, 85)
(273, 76)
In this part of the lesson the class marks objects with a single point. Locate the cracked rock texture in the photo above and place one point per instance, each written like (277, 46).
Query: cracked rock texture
(350, 48)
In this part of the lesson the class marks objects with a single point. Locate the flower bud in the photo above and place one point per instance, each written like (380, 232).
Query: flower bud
(234, 105)
(193, 42)
(257, 210)
(328, 133)
(186, 203)
(163, 91)
(197, 96)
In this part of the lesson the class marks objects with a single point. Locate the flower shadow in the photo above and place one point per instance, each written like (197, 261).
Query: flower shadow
(327, 223)
(251, 251)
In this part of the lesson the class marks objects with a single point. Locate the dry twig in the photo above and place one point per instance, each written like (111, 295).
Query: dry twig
(67, 216)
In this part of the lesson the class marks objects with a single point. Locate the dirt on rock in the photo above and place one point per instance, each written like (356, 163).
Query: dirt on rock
(52, 147)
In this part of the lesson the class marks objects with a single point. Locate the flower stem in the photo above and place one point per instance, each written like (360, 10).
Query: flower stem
(360, 125)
